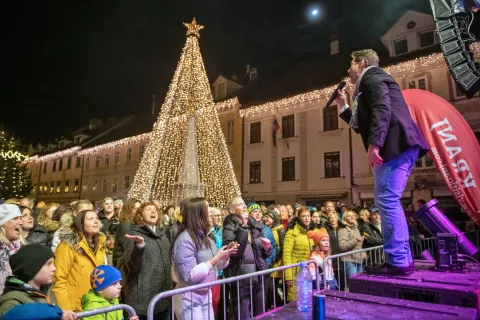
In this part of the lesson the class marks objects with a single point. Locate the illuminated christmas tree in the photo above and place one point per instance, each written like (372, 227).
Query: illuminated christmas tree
(15, 180)
(187, 155)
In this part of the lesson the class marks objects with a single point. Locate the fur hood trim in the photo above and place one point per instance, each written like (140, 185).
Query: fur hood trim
(68, 235)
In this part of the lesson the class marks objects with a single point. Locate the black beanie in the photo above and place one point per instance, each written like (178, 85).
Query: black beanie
(28, 261)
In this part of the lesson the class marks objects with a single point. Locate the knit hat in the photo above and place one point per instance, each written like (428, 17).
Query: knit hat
(103, 277)
(28, 261)
(8, 212)
(37, 311)
(253, 206)
(296, 206)
(274, 215)
(318, 235)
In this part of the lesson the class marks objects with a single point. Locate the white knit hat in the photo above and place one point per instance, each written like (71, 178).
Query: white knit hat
(8, 212)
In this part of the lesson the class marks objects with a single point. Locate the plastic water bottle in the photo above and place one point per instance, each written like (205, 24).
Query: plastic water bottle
(304, 288)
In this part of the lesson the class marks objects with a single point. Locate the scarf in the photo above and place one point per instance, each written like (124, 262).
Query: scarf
(356, 95)
(378, 225)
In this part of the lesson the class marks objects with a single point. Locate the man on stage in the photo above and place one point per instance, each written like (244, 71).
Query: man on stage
(393, 142)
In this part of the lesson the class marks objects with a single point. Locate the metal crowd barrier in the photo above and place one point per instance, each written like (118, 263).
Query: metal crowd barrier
(425, 244)
(237, 279)
(106, 310)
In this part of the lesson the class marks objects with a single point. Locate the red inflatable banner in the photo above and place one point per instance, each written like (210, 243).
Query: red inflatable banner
(454, 147)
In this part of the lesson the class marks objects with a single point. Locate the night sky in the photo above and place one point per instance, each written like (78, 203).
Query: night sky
(67, 61)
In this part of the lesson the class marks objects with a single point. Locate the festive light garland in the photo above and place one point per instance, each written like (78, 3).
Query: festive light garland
(188, 101)
(13, 155)
(115, 144)
(435, 60)
(227, 104)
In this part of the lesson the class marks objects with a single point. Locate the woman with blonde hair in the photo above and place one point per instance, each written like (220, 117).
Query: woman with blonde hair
(126, 217)
(349, 239)
(46, 218)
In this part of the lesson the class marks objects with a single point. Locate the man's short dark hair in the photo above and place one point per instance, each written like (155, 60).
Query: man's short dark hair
(421, 201)
(368, 55)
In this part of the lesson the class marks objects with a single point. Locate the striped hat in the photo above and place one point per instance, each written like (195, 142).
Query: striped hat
(253, 206)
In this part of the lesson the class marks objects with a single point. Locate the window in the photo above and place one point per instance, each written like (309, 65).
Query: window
(330, 118)
(61, 145)
(85, 186)
(69, 163)
(129, 155)
(107, 160)
(87, 163)
(105, 185)
(59, 187)
(255, 172)
(60, 164)
(141, 151)
(117, 157)
(221, 92)
(253, 74)
(45, 167)
(426, 38)
(78, 162)
(288, 126)
(76, 184)
(52, 186)
(126, 184)
(230, 131)
(332, 165)
(67, 186)
(255, 132)
(77, 140)
(95, 183)
(114, 185)
(400, 46)
(288, 169)
(424, 162)
(54, 167)
(97, 161)
(420, 83)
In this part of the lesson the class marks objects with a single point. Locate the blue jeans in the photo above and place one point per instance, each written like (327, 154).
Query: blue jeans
(352, 268)
(390, 181)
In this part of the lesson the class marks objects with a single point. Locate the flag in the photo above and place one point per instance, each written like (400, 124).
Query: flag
(275, 128)
(454, 147)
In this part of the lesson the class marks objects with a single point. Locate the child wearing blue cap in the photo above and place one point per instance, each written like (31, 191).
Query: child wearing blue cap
(106, 287)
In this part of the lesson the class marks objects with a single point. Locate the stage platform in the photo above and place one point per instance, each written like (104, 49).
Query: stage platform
(353, 306)
(440, 287)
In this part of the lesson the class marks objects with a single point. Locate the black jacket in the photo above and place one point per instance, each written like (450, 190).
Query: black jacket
(333, 234)
(383, 116)
(109, 226)
(39, 235)
(233, 231)
(373, 236)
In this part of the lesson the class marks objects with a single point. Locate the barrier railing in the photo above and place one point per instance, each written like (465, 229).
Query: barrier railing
(237, 279)
(424, 244)
(106, 310)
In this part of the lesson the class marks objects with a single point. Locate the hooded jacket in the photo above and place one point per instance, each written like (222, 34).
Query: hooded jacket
(91, 301)
(39, 235)
(66, 222)
(75, 262)
(279, 236)
(18, 292)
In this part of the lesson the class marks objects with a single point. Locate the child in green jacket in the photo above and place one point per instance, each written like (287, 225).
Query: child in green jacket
(105, 283)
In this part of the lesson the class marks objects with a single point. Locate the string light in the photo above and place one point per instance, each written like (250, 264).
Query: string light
(435, 60)
(13, 155)
(14, 178)
(115, 144)
(229, 104)
(167, 169)
(52, 156)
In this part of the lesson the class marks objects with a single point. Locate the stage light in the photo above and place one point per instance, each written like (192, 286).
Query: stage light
(314, 12)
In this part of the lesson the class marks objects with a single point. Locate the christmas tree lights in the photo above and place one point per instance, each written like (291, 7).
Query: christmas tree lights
(172, 162)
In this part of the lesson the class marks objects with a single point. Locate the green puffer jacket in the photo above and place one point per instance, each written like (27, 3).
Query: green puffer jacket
(91, 301)
(17, 292)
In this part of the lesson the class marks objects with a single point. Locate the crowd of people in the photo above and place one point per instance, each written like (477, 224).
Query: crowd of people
(81, 258)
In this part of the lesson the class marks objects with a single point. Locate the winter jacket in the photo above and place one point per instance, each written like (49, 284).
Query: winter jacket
(51, 226)
(172, 230)
(217, 234)
(296, 248)
(66, 222)
(39, 235)
(347, 241)
(333, 234)
(373, 236)
(108, 225)
(147, 269)
(267, 233)
(250, 257)
(5, 252)
(118, 251)
(91, 301)
(191, 267)
(75, 262)
(279, 236)
(17, 292)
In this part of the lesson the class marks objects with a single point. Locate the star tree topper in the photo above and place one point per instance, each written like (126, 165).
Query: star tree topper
(193, 28)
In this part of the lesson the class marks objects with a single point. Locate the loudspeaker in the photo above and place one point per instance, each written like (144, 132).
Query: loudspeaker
(463, 68)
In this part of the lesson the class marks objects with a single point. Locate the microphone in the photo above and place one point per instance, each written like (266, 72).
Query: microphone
(340, 86)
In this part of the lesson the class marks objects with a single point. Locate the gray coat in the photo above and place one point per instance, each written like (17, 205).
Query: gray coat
(147, 269)
(347, 241)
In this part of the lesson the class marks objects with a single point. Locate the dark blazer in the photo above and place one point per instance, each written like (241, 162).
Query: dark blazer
(383, 116)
